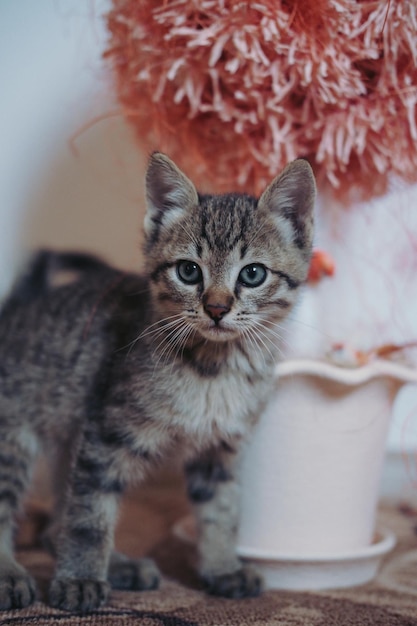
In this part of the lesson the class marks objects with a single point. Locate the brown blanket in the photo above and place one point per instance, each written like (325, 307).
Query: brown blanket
(145, 527)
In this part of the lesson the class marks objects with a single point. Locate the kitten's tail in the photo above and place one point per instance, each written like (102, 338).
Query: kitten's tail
(43, 271)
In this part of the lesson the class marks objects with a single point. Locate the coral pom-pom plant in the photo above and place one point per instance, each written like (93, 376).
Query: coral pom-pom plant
(234, 90)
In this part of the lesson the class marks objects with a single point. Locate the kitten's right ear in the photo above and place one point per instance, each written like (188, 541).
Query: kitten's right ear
(290, 198)
(168, 193)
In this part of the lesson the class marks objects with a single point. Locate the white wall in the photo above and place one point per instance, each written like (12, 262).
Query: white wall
(372, 299)
(52, 82)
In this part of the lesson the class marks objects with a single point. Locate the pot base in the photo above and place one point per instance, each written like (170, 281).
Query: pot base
(295, 572)
(331, 572)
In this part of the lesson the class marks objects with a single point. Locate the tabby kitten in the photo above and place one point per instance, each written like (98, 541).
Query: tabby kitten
(109, 373)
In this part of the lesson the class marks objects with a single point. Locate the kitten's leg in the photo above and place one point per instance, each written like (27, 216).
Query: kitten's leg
(17, 453)
(60, 464)
(214, 491)
(132, 574)
(85, 538)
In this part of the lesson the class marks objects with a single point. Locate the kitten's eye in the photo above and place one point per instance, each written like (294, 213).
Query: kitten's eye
(189, 272)
(253, 275)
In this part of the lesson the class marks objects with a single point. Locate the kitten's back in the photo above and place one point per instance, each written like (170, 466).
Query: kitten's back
(54, 339)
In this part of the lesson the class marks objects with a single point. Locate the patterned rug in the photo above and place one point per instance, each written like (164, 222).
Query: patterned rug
(145, 527)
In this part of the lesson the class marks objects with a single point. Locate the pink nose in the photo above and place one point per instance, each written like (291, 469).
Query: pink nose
(216, 311)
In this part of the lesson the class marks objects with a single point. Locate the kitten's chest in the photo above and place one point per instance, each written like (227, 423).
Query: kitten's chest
(210, 409)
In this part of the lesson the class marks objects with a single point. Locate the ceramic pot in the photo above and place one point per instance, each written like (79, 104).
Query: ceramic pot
(311, 473)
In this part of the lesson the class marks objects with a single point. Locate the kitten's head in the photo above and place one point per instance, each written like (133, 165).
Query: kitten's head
(226, 266)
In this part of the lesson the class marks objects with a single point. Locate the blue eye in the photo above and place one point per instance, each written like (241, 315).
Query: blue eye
(189, 272)
(253, 275)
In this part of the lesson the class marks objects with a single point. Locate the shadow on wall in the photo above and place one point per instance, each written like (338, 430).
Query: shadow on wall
(90, 196)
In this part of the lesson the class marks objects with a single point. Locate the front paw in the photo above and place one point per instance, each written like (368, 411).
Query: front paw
(244, 583)
(133, 575)
(17, 590)
(71, 594)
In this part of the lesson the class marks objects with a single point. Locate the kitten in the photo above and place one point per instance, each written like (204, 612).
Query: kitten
(110, 372)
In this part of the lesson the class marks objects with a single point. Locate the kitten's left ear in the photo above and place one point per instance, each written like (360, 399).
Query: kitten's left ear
(168, 192)
(291, 197)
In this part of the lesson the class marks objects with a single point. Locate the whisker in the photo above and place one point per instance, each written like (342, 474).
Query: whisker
(166, 338)
(255, 347)
(149, 331)
(192, 332)
(181, 343)
(173, 348)
(264, 330)
(264, 325)
(170, 342)
(252, 337)
(259, 336)
(261, 331)
(192, 237)
(174, 341)
(157, 332)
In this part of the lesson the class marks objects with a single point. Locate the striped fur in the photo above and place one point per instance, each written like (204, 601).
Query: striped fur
(108, 372)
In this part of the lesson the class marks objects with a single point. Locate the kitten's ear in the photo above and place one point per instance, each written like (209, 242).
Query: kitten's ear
(291, 197)
(168, 192)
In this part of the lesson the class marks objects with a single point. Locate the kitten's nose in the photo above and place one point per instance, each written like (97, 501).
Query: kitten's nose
(216, 311)
(217, 303)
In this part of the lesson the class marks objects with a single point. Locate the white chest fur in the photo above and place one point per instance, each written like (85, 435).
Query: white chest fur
(213, 408)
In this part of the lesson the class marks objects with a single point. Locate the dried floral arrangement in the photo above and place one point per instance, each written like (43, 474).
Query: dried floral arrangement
(234, 90)
(346, 355)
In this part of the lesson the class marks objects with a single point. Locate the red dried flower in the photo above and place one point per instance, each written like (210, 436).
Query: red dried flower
(234, 90)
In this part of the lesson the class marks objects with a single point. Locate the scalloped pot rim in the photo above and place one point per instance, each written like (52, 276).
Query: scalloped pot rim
(348, 376)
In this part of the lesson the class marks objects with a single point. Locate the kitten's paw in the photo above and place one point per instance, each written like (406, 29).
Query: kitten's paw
(17, 590)
(244, 583)
(133, 575)
(72, 594)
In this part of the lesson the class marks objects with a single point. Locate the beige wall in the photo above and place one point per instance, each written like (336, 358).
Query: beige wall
(92, 199)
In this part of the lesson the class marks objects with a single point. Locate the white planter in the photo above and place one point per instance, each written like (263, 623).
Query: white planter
(312, 471)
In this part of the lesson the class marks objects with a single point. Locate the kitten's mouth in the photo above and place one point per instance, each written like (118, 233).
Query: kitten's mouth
(218, 332)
